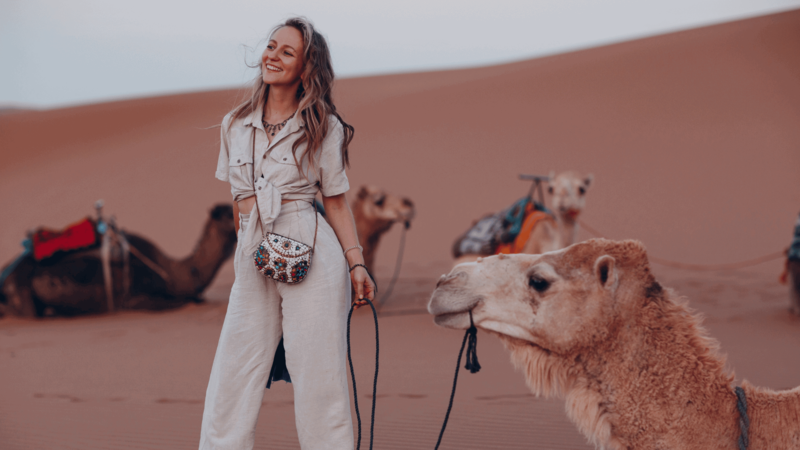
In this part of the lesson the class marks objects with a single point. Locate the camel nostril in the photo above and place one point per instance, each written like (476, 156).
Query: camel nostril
(407, 202)
(449, 278)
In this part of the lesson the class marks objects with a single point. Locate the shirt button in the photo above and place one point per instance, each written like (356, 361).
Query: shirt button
(238, 160)
(259, 188)
(265, 156)
(284, 159)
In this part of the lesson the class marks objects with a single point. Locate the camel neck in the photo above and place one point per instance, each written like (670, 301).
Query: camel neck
(191, 275)
(567, 230)
(774, 418)
(369, 234)
(660, 373)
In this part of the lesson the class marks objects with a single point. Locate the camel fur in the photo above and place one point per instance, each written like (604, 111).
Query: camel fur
(72, 283)
(375, 211)
(591, 324)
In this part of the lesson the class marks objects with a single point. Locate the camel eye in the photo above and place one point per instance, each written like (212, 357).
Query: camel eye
(582, 190)
(379, 202)
(538, 284)
(550, 190)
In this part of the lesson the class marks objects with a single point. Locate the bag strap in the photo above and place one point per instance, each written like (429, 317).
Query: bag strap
(313, 205)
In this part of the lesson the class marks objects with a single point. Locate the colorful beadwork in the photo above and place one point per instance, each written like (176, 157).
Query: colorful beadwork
(283, 259)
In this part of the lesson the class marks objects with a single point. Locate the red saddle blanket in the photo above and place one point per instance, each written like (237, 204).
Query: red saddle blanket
(78, 235)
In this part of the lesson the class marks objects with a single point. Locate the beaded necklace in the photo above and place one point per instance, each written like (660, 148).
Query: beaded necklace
(272, 129)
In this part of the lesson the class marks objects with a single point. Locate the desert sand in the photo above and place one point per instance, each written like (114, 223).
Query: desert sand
(693, 139)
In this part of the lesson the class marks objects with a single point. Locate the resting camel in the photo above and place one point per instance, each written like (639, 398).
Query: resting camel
(590, 323)
(73, 283)
(375, 212)
(568, 198)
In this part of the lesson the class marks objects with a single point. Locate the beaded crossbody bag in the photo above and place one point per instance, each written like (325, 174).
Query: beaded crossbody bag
(281, 258)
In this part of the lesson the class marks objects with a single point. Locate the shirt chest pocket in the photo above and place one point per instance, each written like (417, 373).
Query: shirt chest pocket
(240, 173)
(281, 156)
(280, 169)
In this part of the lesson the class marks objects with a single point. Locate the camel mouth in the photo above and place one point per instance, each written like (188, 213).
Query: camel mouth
(457, 320)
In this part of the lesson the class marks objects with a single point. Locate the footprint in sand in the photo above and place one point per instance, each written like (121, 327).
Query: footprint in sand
(412, 395)
(69, 398)
(178, 400)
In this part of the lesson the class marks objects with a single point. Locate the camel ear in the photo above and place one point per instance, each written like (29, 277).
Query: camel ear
(362, 193)
(588, 180)
(605, 269)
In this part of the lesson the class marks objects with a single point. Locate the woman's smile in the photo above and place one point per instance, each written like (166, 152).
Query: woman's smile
(273, 68)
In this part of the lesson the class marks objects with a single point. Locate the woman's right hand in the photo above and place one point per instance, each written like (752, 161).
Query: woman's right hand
(363, 285)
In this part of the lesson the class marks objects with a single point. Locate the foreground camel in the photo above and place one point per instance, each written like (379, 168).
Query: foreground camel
(590, 323)
(375, 212)
(568, 198)
(73, 283)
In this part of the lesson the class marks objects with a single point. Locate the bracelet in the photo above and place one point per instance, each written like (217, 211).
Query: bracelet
(360, 248)
(360, 265)
(370, 275)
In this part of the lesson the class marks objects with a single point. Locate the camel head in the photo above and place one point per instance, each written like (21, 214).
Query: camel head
(381, 209)
(375, 212)
(568, 193)
(561, 302)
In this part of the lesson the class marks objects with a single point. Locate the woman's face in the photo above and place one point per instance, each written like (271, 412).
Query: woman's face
(282, 60)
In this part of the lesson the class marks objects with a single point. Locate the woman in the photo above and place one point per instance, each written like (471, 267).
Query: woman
(278, 149)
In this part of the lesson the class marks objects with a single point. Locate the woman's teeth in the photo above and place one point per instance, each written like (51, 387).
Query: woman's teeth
(272, 68)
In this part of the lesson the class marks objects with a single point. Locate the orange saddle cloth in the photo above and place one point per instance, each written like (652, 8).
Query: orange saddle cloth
(518, 243)
(78, 235)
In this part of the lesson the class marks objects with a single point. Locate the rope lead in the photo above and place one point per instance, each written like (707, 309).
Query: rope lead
(472, 365)
(472, 348)
(353, 374)
(744, 421)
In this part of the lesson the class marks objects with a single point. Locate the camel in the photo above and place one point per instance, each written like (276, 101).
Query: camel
(791, 277)
(590, 323)
(375, 212)
(568, 198)
(72, 283)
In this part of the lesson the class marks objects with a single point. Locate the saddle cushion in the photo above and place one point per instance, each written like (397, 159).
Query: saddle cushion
(503, 232)
(518, 244)
(76, 236)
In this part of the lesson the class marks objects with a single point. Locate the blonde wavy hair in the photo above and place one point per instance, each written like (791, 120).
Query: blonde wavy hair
(315, 96)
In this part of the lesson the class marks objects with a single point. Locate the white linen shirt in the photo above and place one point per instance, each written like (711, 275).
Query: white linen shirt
(273, 167)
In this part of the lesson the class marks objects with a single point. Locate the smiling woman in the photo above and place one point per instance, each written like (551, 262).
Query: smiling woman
(279, 148)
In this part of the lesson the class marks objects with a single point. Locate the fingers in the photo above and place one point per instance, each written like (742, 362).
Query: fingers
(359, 285)
(370, 288)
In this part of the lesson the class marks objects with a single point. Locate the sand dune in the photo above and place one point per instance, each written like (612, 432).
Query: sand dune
(693, 139)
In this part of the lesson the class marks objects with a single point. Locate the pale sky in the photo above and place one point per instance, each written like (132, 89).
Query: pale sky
(59, 53)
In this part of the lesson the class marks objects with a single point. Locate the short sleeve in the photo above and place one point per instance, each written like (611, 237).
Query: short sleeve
(333, 180)
(222, 162)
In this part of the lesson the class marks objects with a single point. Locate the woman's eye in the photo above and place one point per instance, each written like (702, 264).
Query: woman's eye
(538, 284)
(287, 54)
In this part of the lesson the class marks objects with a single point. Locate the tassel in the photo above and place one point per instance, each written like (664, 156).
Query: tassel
(472, 348)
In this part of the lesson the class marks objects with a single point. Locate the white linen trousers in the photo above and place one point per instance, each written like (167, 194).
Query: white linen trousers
(311, 316)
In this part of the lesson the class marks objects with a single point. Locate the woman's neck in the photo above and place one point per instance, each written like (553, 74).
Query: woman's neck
(281, 103)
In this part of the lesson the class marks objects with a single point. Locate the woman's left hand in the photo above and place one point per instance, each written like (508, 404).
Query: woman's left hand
(363, 286)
